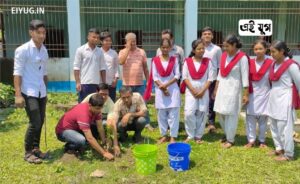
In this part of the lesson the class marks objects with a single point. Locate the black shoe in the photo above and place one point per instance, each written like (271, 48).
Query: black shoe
(138, 139)
(38, 153)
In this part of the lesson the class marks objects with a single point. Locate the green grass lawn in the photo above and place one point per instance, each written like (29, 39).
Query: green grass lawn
(209, 162)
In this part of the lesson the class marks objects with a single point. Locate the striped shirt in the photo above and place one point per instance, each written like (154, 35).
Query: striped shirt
(133, 67)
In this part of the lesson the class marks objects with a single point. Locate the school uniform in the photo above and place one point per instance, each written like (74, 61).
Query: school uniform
(195, 110)
(168, 107)
(233, 76)
(259, 90)
(280, 107)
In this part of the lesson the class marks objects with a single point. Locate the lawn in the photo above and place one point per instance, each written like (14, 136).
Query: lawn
(209, 162)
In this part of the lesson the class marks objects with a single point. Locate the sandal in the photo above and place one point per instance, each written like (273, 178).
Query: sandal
(163, 140)
(276, 153)
(223, 140)
(227, 145)
(282, 158)
(249, 145)
(262, 145)
(198, 140)
(187, 140)
(172, 140)
(211, 129)
(31, 158)
(38, 153)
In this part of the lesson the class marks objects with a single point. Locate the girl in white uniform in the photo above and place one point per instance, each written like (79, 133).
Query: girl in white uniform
(165, 72)
(258, 94)
(285, 78)
(233, 77)
(197, 75)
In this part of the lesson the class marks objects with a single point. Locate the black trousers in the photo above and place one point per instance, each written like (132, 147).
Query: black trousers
(137, 126)
(211, 112)
(35, 109)
(112, 93)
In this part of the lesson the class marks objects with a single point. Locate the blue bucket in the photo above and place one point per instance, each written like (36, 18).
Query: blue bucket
(179, 156)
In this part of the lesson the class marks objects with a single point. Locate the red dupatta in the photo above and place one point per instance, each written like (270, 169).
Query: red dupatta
(161, 71)
(226, 70)
(193, 72)
(257, 76)
(275, 76)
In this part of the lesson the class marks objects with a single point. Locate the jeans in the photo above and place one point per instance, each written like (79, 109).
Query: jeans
(87, 89)
(35, 109)
(75, 140)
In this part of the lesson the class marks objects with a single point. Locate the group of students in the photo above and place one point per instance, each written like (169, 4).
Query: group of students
(212, 81)
(267, 86)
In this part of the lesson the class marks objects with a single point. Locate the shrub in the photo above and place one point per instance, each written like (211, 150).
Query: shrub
(7, 94)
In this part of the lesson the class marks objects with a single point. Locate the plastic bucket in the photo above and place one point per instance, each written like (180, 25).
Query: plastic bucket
(179, 156)
(145, 158)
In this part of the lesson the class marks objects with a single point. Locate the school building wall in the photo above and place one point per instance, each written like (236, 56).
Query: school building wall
(69, 21)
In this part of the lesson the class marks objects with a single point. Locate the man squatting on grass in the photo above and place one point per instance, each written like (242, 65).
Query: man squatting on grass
(74, 127)
(106, 115)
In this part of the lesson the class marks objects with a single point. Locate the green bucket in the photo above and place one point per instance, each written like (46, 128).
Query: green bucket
(145, 158)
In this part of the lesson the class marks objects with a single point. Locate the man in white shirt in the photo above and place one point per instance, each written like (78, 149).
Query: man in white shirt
(89, 66)
(30, 80)
(213, 52)
(111, 58)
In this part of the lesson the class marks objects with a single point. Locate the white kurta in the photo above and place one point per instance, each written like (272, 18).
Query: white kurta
(192, 103)
(256, 108)
(280, 99)
(280, 109)
(258, 100)
(195, 110)
(168, 107)
(229, 95)
(162, 101)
